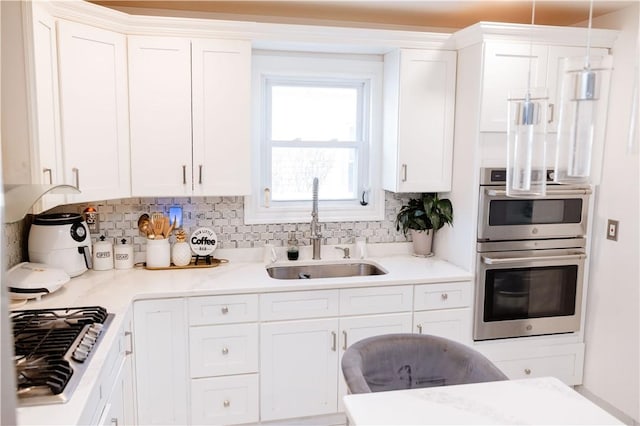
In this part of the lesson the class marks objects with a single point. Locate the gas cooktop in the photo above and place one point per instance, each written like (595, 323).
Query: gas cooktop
(52, 349)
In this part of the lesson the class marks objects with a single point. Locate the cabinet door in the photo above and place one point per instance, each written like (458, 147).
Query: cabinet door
(357, 328)
(418, 131)
(94, 111)
(298, 368)
(48, 147)
(224, 400)
(160, 102)
(554, 76)
(160, 342)
(506, 68)
(221, 117)
(454, 324)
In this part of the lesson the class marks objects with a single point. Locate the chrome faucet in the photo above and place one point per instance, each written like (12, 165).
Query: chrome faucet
(316, 235)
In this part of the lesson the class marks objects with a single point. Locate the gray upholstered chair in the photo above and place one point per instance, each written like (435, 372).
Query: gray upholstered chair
(406, 361)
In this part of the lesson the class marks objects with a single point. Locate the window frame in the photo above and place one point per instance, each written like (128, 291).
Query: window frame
(333, 69)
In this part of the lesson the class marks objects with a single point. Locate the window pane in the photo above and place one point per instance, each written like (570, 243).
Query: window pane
(314, 113)
(293, 170)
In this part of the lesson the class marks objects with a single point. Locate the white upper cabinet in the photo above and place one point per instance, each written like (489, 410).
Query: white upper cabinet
(160, 103)
(221, 119)
(419, 95)
(506, 68)
(190, 116)
(94, 111)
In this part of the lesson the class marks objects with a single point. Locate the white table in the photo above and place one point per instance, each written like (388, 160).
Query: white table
(529, 401)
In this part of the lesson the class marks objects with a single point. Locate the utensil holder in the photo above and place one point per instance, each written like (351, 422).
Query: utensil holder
(158, 253)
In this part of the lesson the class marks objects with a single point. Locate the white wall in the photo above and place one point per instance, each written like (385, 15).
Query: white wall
(612, 330)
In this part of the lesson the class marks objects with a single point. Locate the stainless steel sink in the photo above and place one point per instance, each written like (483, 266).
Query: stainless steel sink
(324, 270)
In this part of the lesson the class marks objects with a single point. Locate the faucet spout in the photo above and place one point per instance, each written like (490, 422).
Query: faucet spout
(316, 235)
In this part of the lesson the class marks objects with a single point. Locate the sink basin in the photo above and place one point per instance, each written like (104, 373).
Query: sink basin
(324, 270)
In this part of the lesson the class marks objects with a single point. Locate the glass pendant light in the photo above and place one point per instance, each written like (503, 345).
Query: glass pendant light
(526, 138)
(583, 110)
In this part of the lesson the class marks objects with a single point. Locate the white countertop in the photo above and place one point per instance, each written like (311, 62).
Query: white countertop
(528, 401)
(245, 273)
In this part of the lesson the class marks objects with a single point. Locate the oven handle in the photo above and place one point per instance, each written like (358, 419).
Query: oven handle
(503, 260)
(502, 192)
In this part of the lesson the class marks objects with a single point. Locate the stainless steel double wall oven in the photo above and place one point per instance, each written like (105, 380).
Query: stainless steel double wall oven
(530, 259)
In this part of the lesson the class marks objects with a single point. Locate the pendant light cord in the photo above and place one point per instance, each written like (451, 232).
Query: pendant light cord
(533, 17)
(587, 59)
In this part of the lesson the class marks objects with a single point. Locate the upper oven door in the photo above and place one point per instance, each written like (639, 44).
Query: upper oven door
(562, 213)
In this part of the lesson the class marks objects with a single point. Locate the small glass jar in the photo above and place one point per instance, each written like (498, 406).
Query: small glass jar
(292, 247)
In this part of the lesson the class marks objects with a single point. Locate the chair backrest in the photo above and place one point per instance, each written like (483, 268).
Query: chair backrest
(405, 361)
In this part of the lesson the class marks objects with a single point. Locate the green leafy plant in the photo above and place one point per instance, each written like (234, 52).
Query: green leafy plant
(428, 212)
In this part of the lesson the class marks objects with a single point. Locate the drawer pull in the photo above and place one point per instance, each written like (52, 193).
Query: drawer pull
(226, 403)
(334, 344)
(444, 296)
(225, 351)
(419, 328)
(344, 334)
(225, 310)
(527, 371)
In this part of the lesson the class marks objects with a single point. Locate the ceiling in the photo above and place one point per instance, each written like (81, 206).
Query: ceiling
(419, 14)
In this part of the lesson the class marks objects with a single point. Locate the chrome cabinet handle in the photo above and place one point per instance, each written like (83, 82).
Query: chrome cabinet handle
(76, 172)
(225, 351)
(130, 335)
(47, 170)
(419, 326)
(505, 260)
(444, 296)
(527, 371)
(551, 111)
(404, 173)
(226, 403)
(334, 344)
(225, 310)
(344, 345)
(184, 174)
(114, 421)
(200, 174)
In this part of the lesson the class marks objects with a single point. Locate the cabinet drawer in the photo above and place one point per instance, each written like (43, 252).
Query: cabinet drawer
(219, 350)
(454, 324)
(224, 400)
(442, 296)
(223, 309)
(299, 304)
(376, 300)
(564, 362)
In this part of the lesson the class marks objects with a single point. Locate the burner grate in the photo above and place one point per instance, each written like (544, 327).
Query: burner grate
(42, 342)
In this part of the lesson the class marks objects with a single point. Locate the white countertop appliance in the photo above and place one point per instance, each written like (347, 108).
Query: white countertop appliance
(61, 240)
(32, 280)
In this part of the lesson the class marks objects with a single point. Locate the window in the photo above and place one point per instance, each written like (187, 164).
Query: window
(313, 116)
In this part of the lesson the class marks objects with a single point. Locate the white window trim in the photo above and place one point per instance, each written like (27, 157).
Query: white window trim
(314, 65)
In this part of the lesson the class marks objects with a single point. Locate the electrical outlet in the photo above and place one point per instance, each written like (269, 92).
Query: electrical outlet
(612, 230)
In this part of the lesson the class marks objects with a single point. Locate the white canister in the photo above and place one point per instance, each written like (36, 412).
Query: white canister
(158, 253)
(123, 255)
(102, 255)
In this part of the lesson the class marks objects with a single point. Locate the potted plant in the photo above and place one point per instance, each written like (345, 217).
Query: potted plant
(423, 217)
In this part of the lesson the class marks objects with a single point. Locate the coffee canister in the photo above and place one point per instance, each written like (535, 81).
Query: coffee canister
(123, 255)
(102, 255)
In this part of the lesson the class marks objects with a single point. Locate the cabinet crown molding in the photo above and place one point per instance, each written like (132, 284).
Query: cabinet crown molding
(544, 34)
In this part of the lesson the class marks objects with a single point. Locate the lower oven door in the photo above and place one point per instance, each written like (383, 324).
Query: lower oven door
(526, 293)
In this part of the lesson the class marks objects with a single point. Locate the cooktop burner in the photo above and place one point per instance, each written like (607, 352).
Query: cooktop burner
(52, 348)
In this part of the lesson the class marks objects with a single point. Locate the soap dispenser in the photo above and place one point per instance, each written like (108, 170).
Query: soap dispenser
(292, 247)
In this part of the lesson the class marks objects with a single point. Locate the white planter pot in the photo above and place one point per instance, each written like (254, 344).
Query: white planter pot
(422, 242)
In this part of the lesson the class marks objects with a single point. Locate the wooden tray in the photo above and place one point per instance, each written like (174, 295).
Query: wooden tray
(201, 264)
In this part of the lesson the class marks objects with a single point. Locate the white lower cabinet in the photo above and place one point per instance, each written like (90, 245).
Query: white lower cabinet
(451, 323)
(224, 400)
(161, 356)
(298, 368)
(443, 310)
